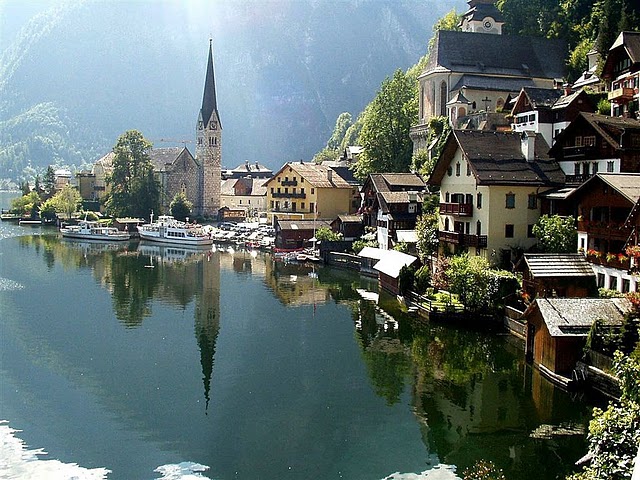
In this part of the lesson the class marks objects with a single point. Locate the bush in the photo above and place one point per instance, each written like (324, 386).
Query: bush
(422, 279)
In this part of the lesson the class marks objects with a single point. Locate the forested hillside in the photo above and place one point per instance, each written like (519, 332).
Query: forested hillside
(74, 75)
(584, 24)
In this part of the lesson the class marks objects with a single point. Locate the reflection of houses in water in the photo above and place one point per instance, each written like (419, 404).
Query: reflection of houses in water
(244, 261)
(295, 284)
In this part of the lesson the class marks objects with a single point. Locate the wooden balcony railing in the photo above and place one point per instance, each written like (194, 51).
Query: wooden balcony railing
(461, 209)
(607, 230)
(619, 262)
(288, 195)
(289, 183)
(463, 239)
(621, 94)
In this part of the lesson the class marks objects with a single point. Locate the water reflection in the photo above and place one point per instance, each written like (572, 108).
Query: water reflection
(467, 394)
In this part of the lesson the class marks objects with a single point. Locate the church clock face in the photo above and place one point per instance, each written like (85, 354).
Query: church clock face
(487, 23)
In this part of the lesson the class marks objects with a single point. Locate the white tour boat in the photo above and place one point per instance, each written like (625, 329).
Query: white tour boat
(171, 231)
(90, 230)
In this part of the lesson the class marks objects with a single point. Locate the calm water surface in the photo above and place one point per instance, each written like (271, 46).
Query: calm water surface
(138, 357)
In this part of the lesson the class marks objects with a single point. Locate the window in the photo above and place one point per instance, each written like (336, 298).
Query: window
(532, 202)
(578, 141)
(576, 168)
(626, 285)
(610, 166)
(271, 190)
(313, 190)
(600, 280)
(412, 208)
(447, 197)
(478, 228)
(302, 191)
(271, 204)
(311, 207)
(589, 141)
(530, 231)
(450, 171)
(613, 283)
(479, 200)
(510, 200)
(468, 169)
(458, 169)
(594, 168)
(508, 230)
(301, 205)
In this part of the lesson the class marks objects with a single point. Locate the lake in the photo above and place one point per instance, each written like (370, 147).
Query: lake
(156, 362)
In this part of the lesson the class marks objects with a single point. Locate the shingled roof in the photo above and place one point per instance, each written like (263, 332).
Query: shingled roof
(319, 176)
(496, 159)
(161, 157)
(469, 52)
(574, 316)
(552, 265)
(626, 184)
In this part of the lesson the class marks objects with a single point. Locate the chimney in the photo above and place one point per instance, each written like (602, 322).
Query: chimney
(330, 175)
(528, 145)
(567, 89)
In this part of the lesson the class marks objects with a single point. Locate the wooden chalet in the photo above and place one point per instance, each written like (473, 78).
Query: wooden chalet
(557, 330)
(557, 275)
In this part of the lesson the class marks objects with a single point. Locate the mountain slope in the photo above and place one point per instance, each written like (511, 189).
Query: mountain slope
(284, 70)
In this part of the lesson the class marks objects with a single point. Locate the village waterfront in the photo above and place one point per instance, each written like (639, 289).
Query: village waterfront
(133, 359)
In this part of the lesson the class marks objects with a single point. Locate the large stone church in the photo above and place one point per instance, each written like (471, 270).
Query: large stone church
(198, 178)
(478, 69)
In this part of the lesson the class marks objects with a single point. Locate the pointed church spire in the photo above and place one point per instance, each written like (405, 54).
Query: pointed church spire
(209, 103)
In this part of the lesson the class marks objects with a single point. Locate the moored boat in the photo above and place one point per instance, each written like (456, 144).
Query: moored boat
(90, 230)
(171, 231)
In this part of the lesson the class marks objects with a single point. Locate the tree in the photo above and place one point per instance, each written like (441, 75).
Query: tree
(181, 206)
(450, 21)
(385, 127)
(26, 204)
(66, 201)
(556, 234)
(325, 234)
(49, 181)
(468, 278)
(614, 433)
(427, 233)
(134, 190)
(343, 122)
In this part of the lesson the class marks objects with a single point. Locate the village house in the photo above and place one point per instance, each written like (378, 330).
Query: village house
(557, 330)
(251, 170)
(557, 275)
(303, 191)
(349, 226)
(489, 185)
(547, 110)
(608, 224)
(391, 202)
(246, 193)
(389, 267)
(622, 69)
(297, 234)
(478, 69)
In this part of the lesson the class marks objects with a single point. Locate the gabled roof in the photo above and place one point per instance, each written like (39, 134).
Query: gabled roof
(392, 262)
(626, 184)
(249, 168)
(394, 182)
(459, 98)
(542, 97)
(487, 54)
(227, 187)
(626, 44)
(566, 317)
(106, 162)
(161, 157)
(372, 252)
(302, 224)
(400, 197)
(496, 159)
(609, 128)
(480, 82)
(319, 176)
(553, 265)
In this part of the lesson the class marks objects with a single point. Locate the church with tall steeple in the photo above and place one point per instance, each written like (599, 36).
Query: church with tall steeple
(209, 145)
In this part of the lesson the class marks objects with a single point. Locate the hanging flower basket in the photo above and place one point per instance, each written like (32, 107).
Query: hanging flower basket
(633, 251)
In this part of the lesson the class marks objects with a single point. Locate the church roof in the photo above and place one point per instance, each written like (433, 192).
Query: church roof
(479, 10)
(161, 157)
(487, 54)
(209, 102)
(459, 98)
(480, 82)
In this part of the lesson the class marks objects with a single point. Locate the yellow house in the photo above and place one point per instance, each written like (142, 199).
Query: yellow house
(298, 191)
(489, 186)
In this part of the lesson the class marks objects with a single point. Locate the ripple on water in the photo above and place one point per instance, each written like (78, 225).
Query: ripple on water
(7, 285)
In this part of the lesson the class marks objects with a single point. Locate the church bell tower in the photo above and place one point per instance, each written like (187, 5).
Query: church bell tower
(209, 144)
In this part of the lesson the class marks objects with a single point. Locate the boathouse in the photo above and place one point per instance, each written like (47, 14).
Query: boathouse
(557, 330)
(557, 275)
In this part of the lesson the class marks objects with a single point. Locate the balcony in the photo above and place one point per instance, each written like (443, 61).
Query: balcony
(577, 179)
(463, 239)
(604, 230)
(579, 153)
(289, 183)
(621, 95)
(288, 195)
(460, 209)
(620, 261)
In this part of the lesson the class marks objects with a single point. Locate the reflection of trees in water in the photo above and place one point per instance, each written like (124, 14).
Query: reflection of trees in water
(132, 288)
